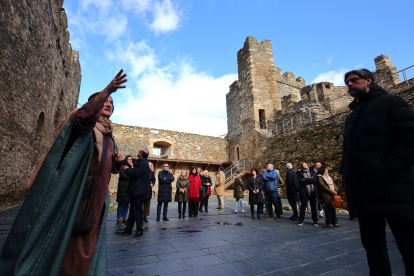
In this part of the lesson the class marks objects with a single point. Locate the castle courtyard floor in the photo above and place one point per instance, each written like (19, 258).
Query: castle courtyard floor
(234, 244)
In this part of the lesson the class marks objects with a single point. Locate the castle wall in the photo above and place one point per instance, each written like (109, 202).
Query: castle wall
(233, 109)
(40, 78)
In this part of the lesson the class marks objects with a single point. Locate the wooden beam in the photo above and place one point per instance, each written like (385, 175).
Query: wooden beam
(155, 165)
(175, 167)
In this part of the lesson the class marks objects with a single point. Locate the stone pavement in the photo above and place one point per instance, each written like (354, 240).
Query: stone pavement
(234, 244)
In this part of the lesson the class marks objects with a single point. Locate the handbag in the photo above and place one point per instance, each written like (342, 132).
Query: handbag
(336, 201)
(84, 216)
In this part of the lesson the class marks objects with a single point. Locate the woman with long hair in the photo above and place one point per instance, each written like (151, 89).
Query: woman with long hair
(255, 187)
(181, 195)
(121, 195)
(205, 191)
(147, 198)
(194, 193)
(328, 190)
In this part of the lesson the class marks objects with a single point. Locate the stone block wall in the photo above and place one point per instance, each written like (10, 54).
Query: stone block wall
(233, 109)
(40, 77)
(180, 145)
(385, 68)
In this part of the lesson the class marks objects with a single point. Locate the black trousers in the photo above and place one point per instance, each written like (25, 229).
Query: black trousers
(330, 214)
(204, 202)
(304, 202)
(135, 212)
(259, 209)
(192, 209)
(164, 211)
(182, 206)
(373, 234)
(292, 202)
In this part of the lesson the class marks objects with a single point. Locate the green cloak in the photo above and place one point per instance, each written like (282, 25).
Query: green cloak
(38, 239)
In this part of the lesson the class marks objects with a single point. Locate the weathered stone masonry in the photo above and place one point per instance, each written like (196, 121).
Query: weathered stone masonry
(40, 77)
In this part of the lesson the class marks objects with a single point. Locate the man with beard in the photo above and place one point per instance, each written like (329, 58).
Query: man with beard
(377, 167)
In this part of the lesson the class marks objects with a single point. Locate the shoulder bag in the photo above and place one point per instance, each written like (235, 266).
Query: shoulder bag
(84, 217)
(336, 201)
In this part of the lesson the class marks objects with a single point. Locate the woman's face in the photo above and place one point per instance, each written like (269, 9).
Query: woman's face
(254, 172)
(129, 160)
(150, 167)
(183, 173)
(326, 171)
(305, 166)
(206, 173)
(194, 171)
(198, 170)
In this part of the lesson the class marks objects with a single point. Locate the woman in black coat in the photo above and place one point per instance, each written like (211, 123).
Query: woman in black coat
(308, 191)
(255, 187)
(205, 191)
(148, 196)
(121, 196)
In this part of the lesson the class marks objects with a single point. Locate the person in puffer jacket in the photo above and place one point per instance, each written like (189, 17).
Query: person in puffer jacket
(270, 179)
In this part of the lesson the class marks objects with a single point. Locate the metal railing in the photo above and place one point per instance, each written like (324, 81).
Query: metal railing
(240, 166)
(404, 77)
(183, 154)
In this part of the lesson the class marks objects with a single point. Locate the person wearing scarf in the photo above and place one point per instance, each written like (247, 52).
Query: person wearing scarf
(41, 241)
(308, 191)
(205, 191)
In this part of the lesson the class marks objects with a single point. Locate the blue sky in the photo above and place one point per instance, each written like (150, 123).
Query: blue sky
(181, 56)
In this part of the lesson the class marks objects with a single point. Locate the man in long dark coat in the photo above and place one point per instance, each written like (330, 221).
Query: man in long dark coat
(377, 167)
(41, 241)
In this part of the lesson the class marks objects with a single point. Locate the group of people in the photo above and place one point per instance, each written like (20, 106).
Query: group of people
(60, 227)
(194, 188)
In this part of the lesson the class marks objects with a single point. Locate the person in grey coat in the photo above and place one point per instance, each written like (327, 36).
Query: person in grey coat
(181, 195)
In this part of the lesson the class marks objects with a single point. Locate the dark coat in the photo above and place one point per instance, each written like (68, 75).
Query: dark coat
(139, 177)
(123, 182)
(205, 187)
(238, 187)
(378, 154)
(182, 184)
(292, 184)
(253, 184)
(306, 181)
(152, 180)
(165, 178)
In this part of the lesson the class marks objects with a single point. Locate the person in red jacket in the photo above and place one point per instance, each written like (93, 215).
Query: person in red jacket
(194, 193)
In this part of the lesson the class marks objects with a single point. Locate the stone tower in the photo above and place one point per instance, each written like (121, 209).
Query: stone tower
(253, 99)
(385, 68)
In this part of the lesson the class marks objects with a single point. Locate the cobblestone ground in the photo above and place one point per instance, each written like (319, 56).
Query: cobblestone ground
(234, 244)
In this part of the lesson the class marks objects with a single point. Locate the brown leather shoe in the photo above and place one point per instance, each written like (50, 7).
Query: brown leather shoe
(119, 222)
(124, 220)
(330, 225)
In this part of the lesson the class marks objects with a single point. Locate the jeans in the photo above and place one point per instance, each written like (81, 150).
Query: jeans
(312, 199)
(373, 237)
(135, 213)
(292, 202)
(330, 215)
(122, 210)
(241, 203)
(272, 199)
(164, 211)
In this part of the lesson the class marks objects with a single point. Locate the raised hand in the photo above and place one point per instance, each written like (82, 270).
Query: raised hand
(119, 156)
(117, 82)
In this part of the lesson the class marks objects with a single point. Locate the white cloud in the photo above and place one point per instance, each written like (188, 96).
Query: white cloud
(177, 98)
(329, 61)
(166, 17)
(336, 77)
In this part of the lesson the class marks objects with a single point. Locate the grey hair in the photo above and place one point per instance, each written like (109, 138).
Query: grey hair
(318, 163)
(272, 165)
(289, 165)
(363, 74)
